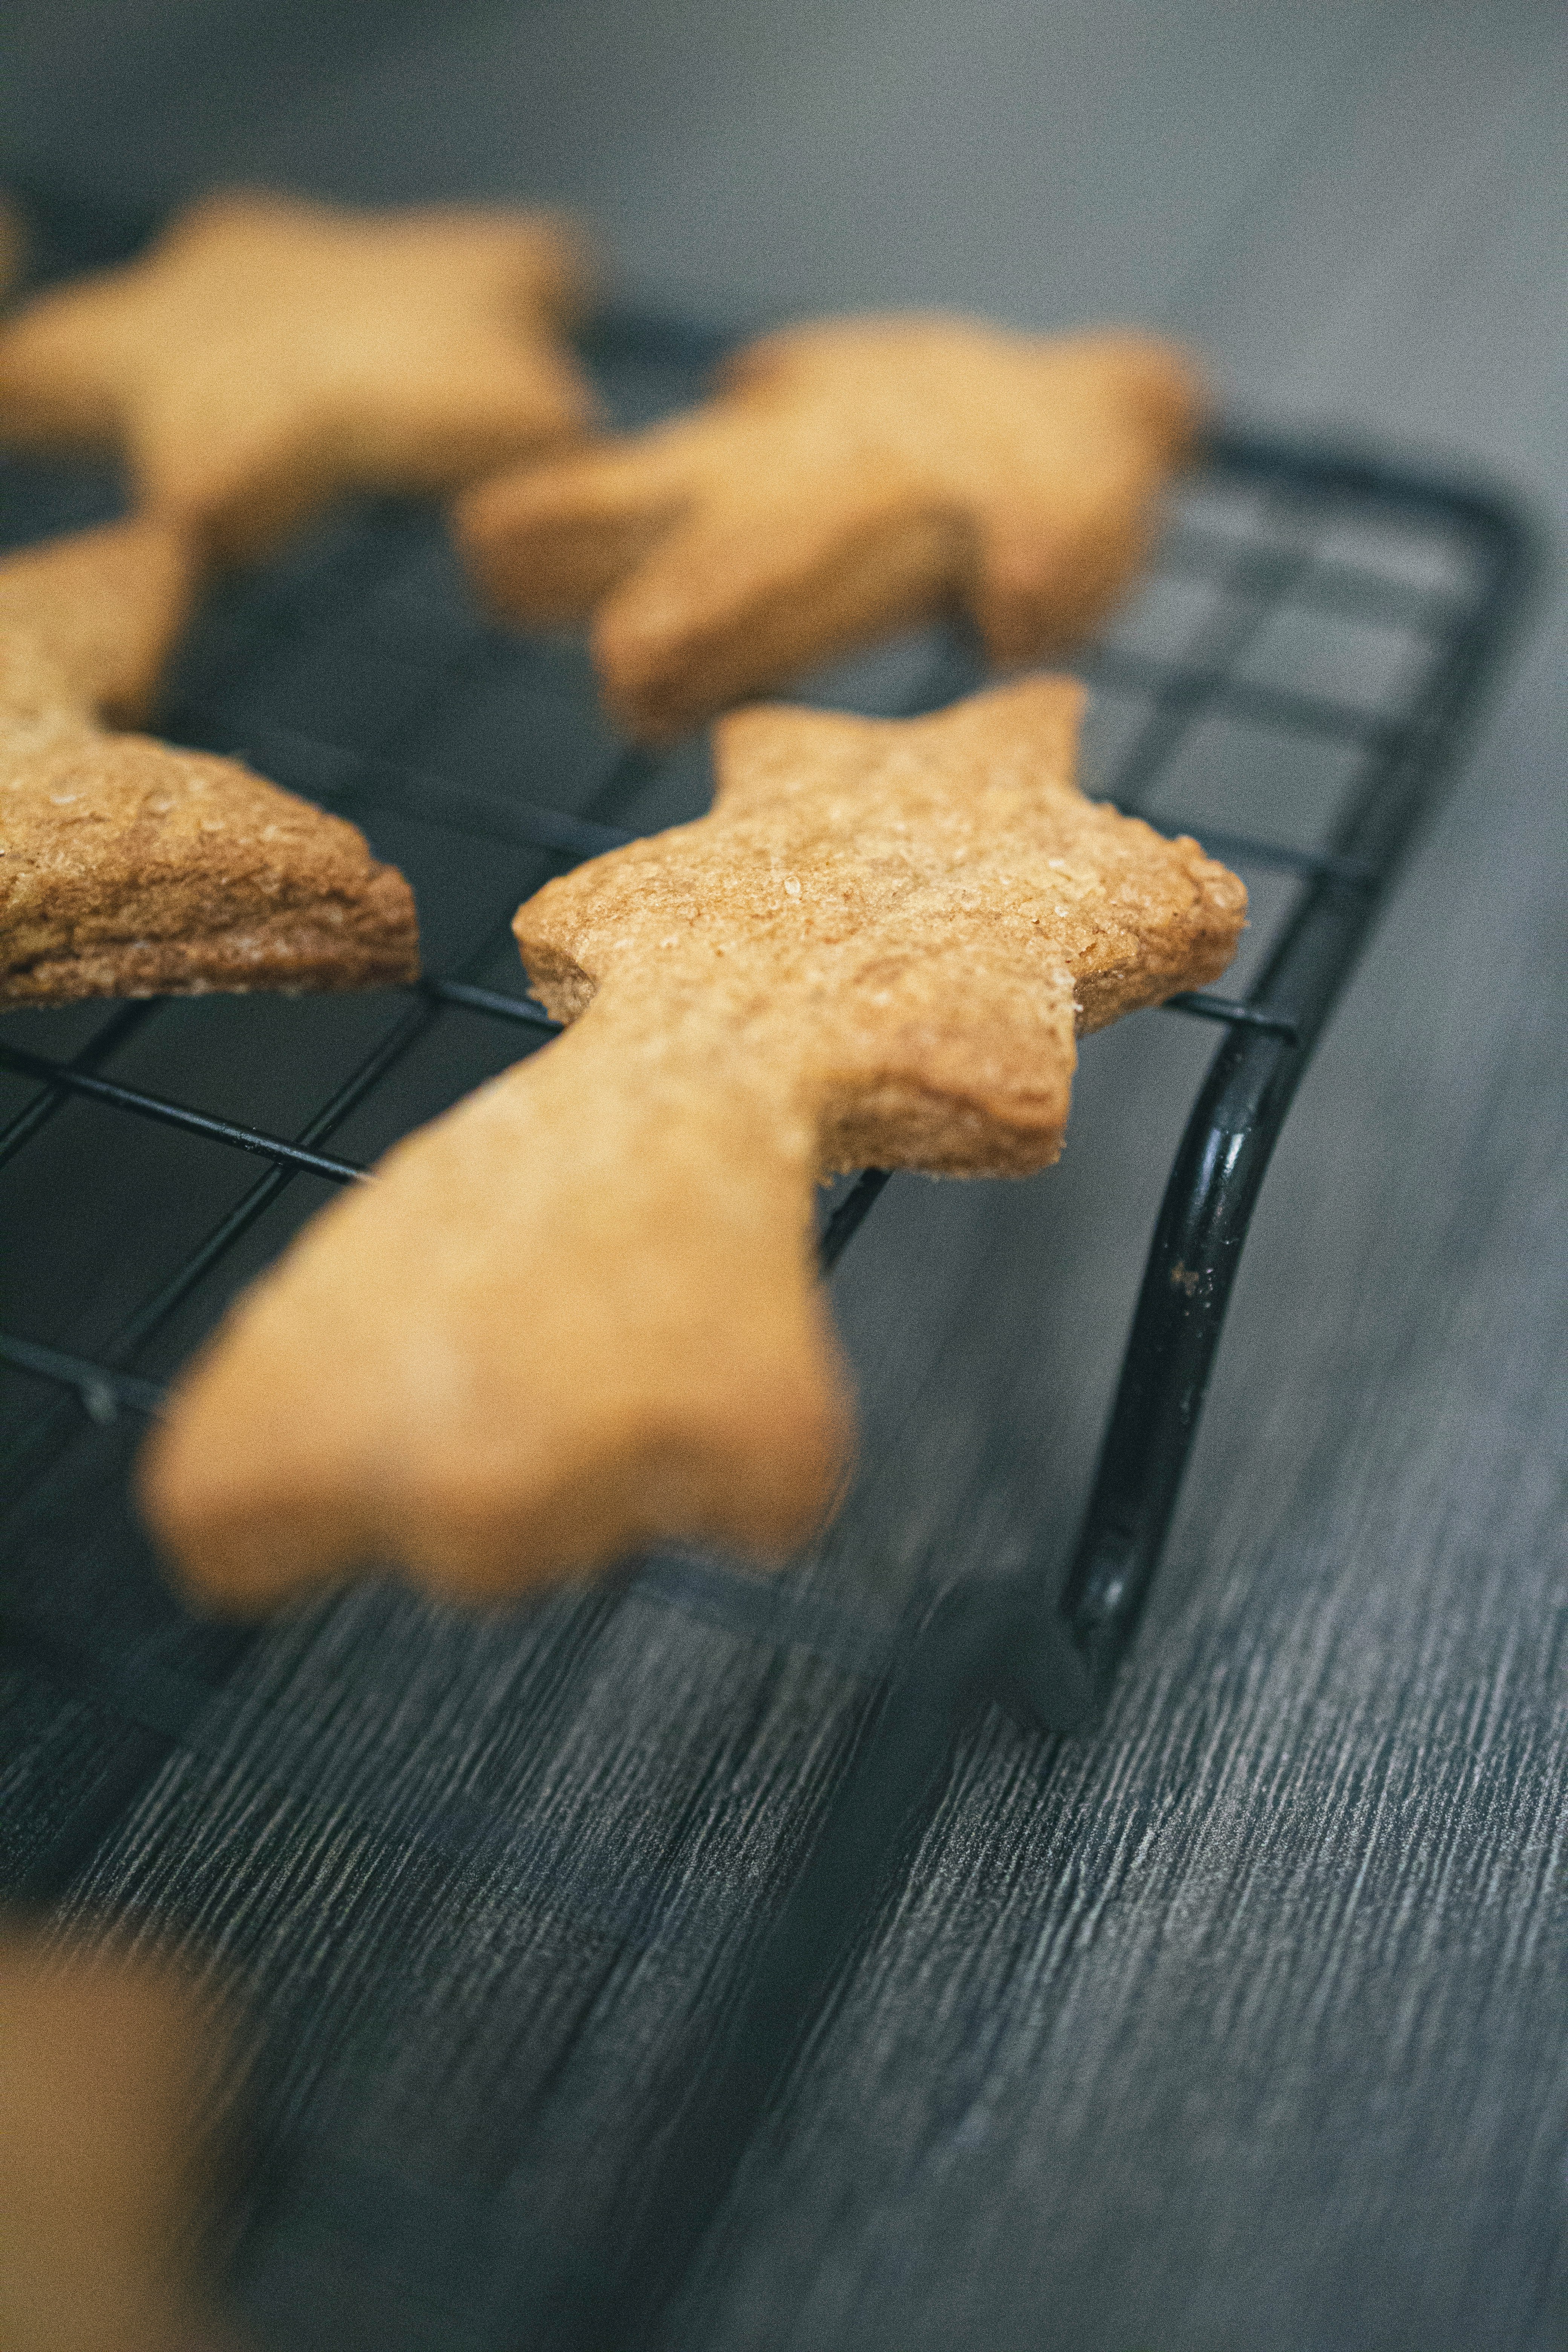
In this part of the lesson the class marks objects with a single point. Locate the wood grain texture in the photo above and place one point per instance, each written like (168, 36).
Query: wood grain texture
(1244, 2026)
(1239, 2028)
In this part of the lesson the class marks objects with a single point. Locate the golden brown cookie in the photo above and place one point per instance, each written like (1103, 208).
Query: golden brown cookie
(580, 1312)
(849, 477)
(107, 2071)
(130, 868)
(267, 356)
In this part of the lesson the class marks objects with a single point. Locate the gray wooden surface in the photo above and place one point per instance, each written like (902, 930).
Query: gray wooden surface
(1241, 2024)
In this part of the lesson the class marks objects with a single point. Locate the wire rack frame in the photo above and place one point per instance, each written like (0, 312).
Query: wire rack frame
(1049, 1657)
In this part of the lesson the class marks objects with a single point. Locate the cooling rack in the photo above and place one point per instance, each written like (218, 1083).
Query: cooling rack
(154, 1155)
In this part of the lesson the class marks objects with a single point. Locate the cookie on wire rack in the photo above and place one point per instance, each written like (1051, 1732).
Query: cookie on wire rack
(267, 356)
(128, 868)
(580, 1313)
(848, 478)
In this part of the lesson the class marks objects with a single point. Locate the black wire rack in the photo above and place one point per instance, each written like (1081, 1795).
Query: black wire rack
(1302, 597)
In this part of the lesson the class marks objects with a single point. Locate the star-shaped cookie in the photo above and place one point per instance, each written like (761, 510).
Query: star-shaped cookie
(849, 477)
(268, 354)
(580, 1312)
(130, 868)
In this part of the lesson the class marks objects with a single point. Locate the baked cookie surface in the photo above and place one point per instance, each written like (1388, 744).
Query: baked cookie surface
(128, 868)
(848, 478)
(580, 1312)
(108, 2070)
(268, 355)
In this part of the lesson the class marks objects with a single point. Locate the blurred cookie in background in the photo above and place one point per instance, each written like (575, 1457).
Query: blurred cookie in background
(267, 356)
(849, 477)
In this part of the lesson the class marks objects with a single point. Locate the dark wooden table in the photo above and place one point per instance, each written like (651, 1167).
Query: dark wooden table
(1242, 2023)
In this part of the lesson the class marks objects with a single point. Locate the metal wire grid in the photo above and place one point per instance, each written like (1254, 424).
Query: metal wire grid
(347, 674)
(354, 774)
